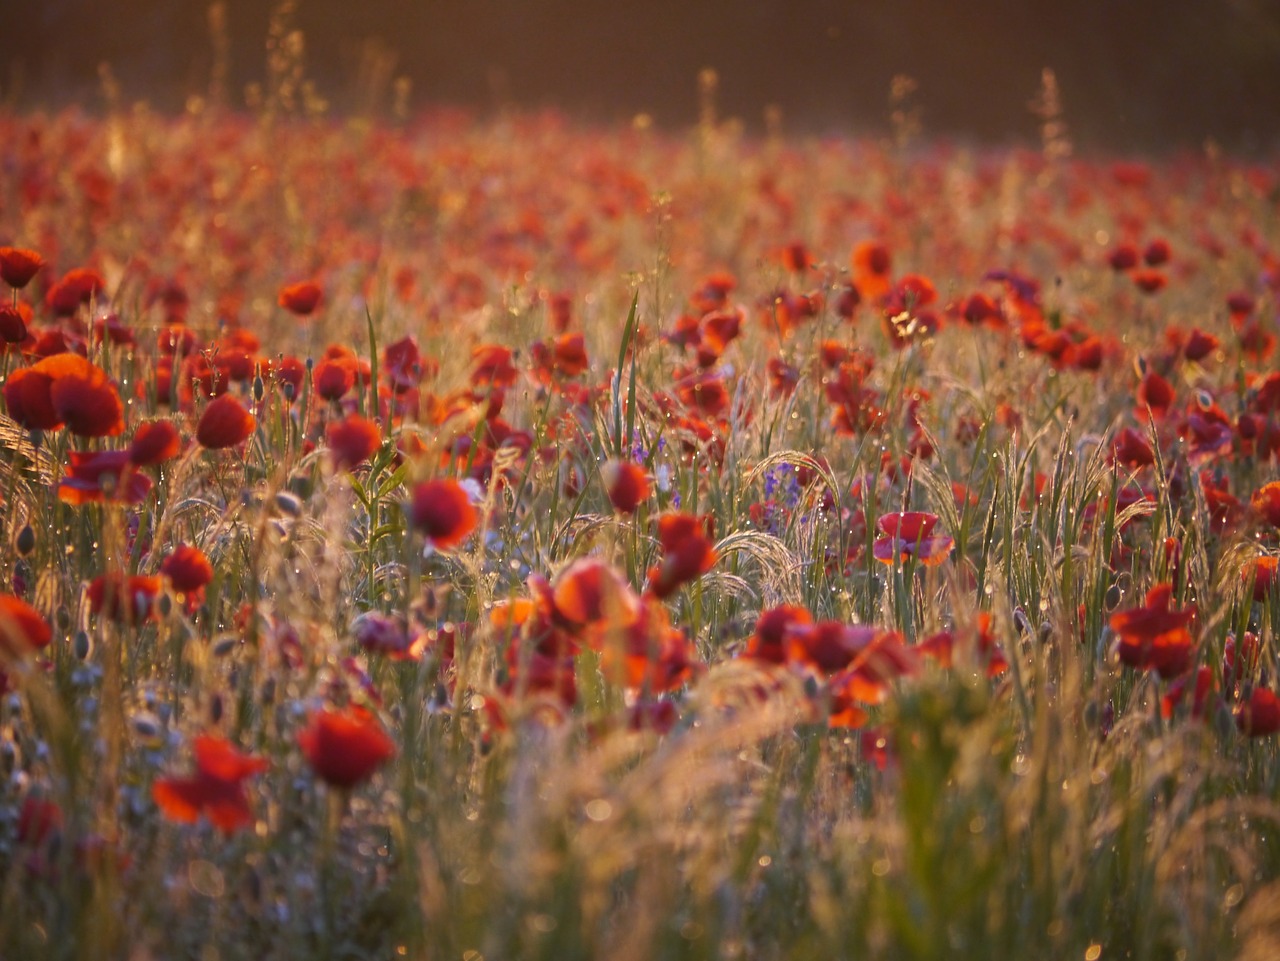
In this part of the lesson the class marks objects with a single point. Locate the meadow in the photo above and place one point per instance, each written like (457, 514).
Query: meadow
(488, 538)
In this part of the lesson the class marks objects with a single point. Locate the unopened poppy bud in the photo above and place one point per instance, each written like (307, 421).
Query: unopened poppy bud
(82, 645)
(26, 540)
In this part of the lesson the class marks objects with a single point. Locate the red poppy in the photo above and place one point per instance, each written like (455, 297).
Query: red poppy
(65, 389)
(22, 628)
(769, 641)
(18, 266)
(627, 485)
(1178, 690)
(402, 364)
(1157, 252)
(1155, 636)
(77, 287)
(94, 477)
(910, 534)
(1266, 503)
(124, 599)
(1262, 572)
(442, 511)
(224, 423)
(13, 324)
(687, 552)
(154, 442)
(591, 592)
(1149, 281)
(345, 747)
(334, 377)
(872, 267)
(301, 298)
(1124, 257)
(352, 441)
(1260, 715)
(1132, 450)
(187, 568)
(1154, 393)
(1199, 345)
(216, 790)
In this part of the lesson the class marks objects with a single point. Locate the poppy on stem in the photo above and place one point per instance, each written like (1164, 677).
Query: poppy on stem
(225, 423)
(443, 512)
(215, 790)
(345, 747)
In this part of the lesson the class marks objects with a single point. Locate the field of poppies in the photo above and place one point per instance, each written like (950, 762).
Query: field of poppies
(504, 538)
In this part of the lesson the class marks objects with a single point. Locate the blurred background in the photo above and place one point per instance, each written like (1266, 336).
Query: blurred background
(1134, 75)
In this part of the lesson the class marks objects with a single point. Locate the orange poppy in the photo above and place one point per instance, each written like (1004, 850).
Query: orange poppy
(1266, 503)
(216, 790)
(345, 747)
(224, 423)
(443, 512)
(591, 592)
(872, 268)
(22, 628)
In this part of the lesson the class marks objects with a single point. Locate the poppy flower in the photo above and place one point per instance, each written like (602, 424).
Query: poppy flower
(300, 299)
(442, 511)
(224, 423)
(1260, 714)
(154, 442)
(590, 592)
(187, 568)
(22, 628)
(18, 266)
(1262, 572)
(1154, 393)
(1123, 257)
(94, 477)
(1178, 690)
(26, 396)
(768, 642)
(1199, 345)
(1266, 503)
(626, 484)
(125, 599)
(352, 441)
(1155, 636)
(216, 790)
(78, 286)
(687, 553)
(872, 266)
(85, 399)
(1132, 450)
(1157, 252)
(402, 364)
(345, 747)
(1149, 281)
(13, 325)
(334, 377)
(910, 534)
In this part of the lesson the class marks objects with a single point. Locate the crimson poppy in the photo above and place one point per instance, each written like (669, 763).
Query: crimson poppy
(442, 511)
(300, 299)
(872, 266)
(85, 399)
(1260, 714)
(345, 746)
(626, 484)
(216, 790)
(13, 324)
(27, 398)
(78, 286)
(1199, 345)
(224, 423)
(18, 266)
(1203, 686)
(352, 441)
